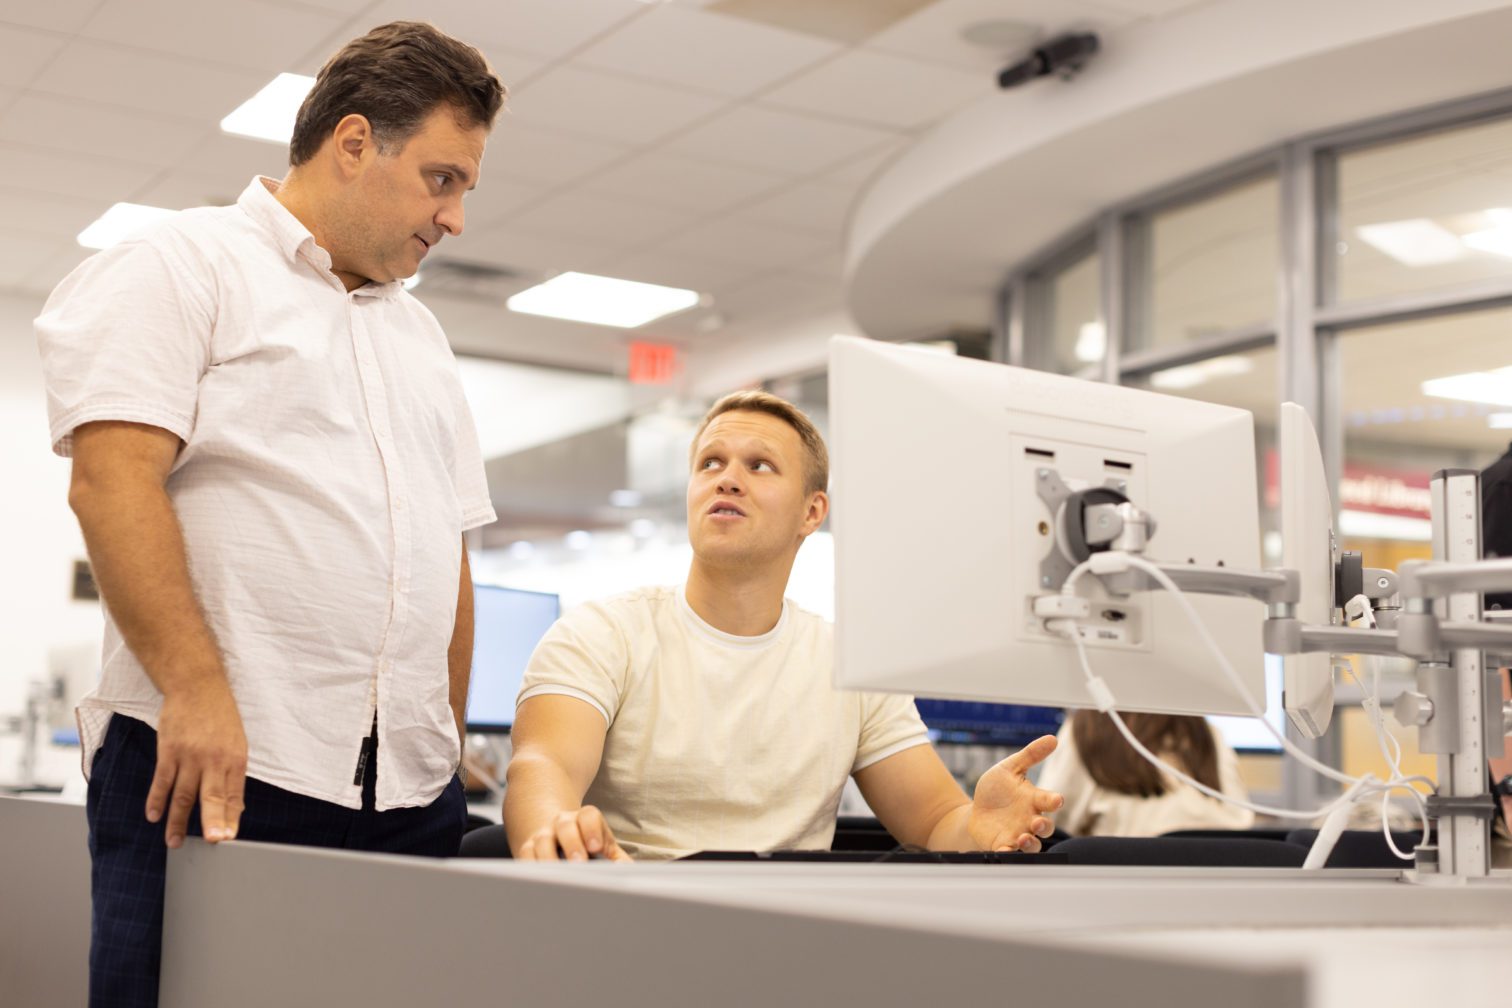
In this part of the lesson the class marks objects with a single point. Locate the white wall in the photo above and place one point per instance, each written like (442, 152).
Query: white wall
(39, 539)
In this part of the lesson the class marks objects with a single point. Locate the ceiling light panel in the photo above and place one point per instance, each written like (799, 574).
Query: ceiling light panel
(269, 115)
(120, 222)
(583, 297)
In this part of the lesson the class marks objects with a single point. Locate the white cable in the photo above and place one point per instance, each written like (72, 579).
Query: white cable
(1358, 789)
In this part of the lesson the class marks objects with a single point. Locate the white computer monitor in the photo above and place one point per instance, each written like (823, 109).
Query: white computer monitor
(1308, 546)
(941, 532)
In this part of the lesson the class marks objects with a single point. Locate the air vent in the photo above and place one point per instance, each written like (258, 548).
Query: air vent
(471, 281)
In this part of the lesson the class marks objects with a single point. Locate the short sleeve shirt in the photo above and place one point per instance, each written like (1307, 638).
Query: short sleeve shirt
(329, 466)
(716, 742)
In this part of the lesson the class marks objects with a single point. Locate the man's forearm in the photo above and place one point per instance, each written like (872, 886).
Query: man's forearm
(459, 654)
(536, 790)
(136, 550)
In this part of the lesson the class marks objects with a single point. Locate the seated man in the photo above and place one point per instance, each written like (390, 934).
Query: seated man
(704, 717)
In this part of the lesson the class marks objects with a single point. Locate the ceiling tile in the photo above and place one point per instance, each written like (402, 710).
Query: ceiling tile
(504, 246)
(499, 196)
(699, 49)
(56, 15)
(23, 53)
(347, 7)
(59, 174)
(60, 217)
(89, 128)
(538, 155)
(820, 207)
(21, 249)
(147, 82)
(697, 186)
(248, 34)
(778, 141)
(780, 294)
(548, 28)
(182, 190)
(1149, 8)
(617, 223)
(882, 89)
(48, 271)
(1001, 30)
(859, 171)
(231, 161)
(744, 243)
(608, 106)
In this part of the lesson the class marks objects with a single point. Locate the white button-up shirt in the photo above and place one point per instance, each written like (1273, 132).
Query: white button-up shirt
(329, 467)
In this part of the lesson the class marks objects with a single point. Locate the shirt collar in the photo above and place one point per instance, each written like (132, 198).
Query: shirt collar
(728, 639)
(292, 238)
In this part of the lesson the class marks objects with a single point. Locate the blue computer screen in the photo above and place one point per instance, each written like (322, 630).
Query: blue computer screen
(507, 625)
(987, 723)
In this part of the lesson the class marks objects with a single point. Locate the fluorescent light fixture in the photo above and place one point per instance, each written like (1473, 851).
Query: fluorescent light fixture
(1416, 242)
(269, 114)
(1500, 421)
(601, 300)
(1091, 342)
(625, 498)
(1191, 375)
(1491, 387)
(120, 222)
(1497, 241)
(578, 539)
(1373, 525)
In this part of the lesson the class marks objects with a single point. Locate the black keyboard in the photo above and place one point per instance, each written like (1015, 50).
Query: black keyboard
(882, 857)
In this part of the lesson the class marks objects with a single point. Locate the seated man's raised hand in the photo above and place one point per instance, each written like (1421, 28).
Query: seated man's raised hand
(1007, 811)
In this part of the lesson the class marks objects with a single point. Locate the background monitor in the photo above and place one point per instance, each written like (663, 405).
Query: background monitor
(978, 723)
(507, 625)
(940, 532)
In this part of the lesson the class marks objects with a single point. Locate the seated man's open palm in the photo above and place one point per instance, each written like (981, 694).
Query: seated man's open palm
(1007, 811)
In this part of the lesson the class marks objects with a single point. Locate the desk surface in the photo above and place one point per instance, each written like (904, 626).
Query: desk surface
(877, 934)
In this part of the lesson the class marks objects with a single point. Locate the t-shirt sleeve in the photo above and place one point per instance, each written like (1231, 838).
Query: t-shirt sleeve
(890, 723)
(471, 478)
(125, 336)
(585, 654)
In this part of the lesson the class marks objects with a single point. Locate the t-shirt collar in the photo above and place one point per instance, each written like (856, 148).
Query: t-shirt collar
(728, 639)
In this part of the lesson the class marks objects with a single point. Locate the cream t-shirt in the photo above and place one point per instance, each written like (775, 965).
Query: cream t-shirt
(1093, 810)
(716, 742)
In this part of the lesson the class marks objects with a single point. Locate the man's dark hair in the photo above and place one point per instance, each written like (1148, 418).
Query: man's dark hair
(395, 76)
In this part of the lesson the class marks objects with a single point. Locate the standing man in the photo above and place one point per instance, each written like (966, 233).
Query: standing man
(670, 720)
(273, 466)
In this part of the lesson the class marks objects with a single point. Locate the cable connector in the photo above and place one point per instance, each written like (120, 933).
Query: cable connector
(1110, 562)
(1102, 696)
(1358, 609)
(1059, 606)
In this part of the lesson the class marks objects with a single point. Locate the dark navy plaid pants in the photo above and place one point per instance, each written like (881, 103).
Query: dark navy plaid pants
(129, 857)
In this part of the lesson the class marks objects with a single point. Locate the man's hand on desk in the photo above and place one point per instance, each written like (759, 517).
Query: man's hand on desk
(579, 833)
(1007, 811)
(202, 756)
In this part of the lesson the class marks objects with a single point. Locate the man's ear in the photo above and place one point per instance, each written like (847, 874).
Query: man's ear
(818, 509)
(353, 145)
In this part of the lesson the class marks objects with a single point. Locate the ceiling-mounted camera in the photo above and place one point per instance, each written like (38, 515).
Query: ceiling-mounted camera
(1063, 56)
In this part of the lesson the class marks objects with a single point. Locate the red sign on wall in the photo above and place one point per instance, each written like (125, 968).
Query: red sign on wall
(653, 363)
(1365, 488)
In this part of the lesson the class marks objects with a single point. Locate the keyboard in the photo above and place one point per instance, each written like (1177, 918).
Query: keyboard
(882, 857)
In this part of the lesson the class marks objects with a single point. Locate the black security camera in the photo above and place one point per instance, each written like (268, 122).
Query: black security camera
(1063, 55)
